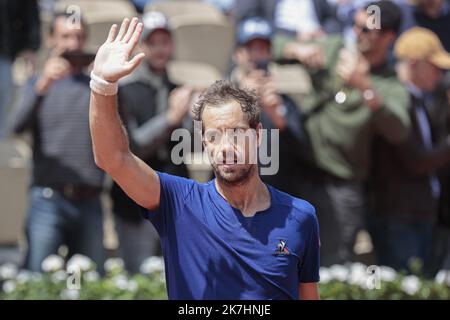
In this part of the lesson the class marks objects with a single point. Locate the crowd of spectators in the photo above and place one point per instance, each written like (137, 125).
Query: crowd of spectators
(368, 145)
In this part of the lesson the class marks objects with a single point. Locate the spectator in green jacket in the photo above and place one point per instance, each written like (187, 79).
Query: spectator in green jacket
(355, 95)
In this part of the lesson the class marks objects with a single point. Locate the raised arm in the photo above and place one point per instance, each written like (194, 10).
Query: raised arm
(109, 140)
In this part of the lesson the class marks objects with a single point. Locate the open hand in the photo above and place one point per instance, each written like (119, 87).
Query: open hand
(354, 70)
(112, 61)
(179, 104)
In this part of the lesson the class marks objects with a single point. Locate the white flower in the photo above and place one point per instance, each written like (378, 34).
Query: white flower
(113, 264)
(91, 276)
(443, 277)
(79, 262)
(8, 271)
(387, 274)
(59, 276)
(358, 275)
(52, 263)
(70, 294)
(23, 276)
(357, 267)
(121, 282)
(9, 286)
(440, 277)
(162, 276)
(339, 272)
(410, 284)
(132, 286)
(325, 275)
(152, 264)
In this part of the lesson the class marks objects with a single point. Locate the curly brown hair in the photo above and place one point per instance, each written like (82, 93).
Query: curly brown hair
(223, 91)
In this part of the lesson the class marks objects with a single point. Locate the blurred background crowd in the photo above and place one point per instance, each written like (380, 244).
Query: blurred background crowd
(359, 91)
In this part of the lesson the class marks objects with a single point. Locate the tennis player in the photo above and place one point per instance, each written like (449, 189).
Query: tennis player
(231, 238)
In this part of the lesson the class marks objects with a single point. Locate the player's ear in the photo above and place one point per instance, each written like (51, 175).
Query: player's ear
(259, 133)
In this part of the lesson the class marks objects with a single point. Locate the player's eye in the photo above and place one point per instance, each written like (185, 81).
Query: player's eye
(212, 136)
(237, 131)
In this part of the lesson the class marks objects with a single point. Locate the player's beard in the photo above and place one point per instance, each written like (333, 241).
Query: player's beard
(234, 175)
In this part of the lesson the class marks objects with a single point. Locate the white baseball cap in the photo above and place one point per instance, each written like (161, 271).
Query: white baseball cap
(154, 20)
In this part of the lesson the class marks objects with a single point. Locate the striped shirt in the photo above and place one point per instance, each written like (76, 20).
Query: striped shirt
(59, 123)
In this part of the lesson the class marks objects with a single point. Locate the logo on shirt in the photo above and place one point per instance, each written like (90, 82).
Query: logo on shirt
(281, 248)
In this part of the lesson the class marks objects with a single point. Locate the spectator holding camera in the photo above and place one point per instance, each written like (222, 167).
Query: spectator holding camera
(355, 95)
(64, 197)
(253, 63)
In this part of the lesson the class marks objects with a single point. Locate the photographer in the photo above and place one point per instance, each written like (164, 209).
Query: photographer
(64, 197)
(355, 95)
(253, 64)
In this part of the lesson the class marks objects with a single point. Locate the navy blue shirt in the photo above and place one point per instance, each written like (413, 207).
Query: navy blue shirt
(211, 251)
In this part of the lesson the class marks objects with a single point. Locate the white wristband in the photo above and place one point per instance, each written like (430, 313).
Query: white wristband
(101, 86)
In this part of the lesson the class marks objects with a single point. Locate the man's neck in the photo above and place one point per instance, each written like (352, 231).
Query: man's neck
(414, 89)
(376, 59)
(249, 197)
(156, 72)
(76, 71)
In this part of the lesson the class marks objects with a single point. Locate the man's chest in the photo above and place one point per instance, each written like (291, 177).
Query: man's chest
(271, 247)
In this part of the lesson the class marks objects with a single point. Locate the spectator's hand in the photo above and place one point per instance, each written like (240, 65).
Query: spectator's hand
(272, 104)
(354, 70)
(253, 80)
(196, 93)
(311, 55)
(112, 61)
(179, 105)
(270, 99)
(55, 68)
(309, 36)
(30, 59)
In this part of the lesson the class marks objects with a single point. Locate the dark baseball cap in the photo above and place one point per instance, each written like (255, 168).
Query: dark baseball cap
(254, 28)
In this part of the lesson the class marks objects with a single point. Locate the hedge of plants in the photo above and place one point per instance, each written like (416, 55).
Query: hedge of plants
(78, 279)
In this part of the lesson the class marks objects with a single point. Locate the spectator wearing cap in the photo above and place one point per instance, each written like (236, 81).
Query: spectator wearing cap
(433, 15)
(151, 107)
(355, 95)
(253, 63)
(407, 188)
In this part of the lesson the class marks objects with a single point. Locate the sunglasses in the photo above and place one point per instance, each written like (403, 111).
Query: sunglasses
(363, 28)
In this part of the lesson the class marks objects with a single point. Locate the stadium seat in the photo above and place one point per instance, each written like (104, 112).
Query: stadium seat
(204, 39)
(99, 9)
(292, 80)
(99, 15)
(196, 74)
(14, 179)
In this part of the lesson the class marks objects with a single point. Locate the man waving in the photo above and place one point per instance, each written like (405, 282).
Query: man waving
(231, 238)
